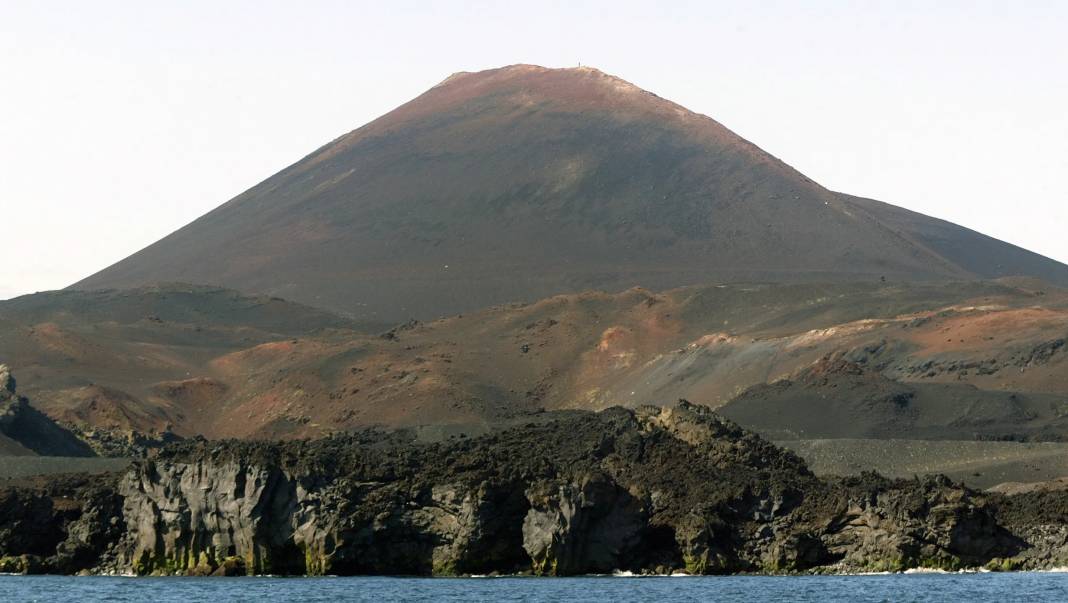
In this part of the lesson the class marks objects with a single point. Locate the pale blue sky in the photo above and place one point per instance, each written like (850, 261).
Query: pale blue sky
(122, 121)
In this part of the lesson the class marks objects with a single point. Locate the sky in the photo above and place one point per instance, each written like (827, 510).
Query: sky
(122, 121)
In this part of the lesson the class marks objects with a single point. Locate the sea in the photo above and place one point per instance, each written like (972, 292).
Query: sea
(970, 588)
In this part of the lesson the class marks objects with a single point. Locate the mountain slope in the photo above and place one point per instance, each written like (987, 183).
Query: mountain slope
(977, 253)
(835, 398)
(518, 183)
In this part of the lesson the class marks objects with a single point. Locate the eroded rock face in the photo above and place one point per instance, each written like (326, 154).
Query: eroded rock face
(191, 517)
(932, 524)
(649, 490)
(593, 525)
(195, 517)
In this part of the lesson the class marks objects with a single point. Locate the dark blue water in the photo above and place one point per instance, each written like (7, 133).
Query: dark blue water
(1031, 587)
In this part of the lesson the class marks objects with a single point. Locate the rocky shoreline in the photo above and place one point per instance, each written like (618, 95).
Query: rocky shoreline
(647, 491)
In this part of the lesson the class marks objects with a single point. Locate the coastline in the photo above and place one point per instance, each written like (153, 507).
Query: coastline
(650, 491)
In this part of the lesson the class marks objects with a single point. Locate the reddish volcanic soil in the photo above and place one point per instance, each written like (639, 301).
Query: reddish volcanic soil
(590, 350)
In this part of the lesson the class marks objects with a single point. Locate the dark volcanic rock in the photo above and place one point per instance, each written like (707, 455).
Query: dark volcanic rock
(64, 524)
(650, 490)
(118, 443)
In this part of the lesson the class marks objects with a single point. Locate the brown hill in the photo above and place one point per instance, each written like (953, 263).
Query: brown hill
(961, 349)
(136, 359)
(519, 183)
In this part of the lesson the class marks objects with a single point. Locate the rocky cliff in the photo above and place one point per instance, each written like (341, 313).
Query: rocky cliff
(650, 490)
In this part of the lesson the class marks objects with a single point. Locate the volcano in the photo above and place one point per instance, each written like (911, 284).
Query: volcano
(519, 183)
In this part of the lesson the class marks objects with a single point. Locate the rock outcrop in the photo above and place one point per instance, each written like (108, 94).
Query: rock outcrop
(652, 490)
(26, 431)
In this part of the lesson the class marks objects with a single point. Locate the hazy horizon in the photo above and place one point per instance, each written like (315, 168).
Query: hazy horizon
(127, 121)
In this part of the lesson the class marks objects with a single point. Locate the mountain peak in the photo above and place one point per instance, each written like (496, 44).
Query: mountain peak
(527, 69)
(522, 182)
(517, 92)
(581, 84)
